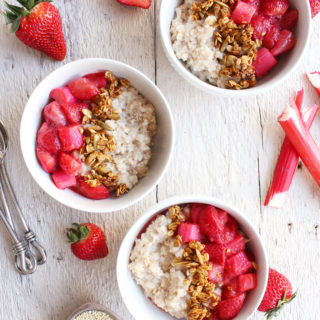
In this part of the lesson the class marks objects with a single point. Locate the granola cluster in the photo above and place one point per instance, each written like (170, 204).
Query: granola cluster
(235, 41)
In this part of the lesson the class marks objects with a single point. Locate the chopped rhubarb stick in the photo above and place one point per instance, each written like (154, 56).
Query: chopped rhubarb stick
(314, 78)
(299, 98)
(286, 165)
(301, 140)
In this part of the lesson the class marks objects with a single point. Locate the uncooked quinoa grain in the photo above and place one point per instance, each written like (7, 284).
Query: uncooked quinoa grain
(94, 315)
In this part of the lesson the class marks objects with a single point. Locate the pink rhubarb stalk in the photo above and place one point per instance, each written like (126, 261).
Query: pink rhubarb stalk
(314, 78)
(287, 162)
(296, 131)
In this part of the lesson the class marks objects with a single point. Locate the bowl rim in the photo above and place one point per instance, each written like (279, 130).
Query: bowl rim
(87, 207)
(209, 88)
(136, 227)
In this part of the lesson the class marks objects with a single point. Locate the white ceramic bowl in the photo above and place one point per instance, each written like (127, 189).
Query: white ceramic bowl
(285, 66)
(163, 141)
(140, 307)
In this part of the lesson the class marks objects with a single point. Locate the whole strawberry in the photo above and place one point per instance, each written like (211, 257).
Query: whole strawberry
(38, 25)
(315, 7)
(88, 241)
(278, 293)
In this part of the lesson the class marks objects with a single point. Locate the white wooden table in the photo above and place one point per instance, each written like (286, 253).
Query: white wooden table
(225, 148)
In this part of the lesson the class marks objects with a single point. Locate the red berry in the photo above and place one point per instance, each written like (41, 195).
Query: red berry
(195, 211)
(62, 95)
(261, 25)
(289, 19)
(88, 241)
(211, 222)
(274, 7)
(229, 309)
(217, 253)
(315, 7)
(98, 79)
(189, 232)
(230, 231)
(264, 62)
(70, 138)
(83, 89)
(68, 164)
(247, 282)
(243, 12)
(235, 246)
(271, 37)
(285, 43)
(73, 111)
(47, 138)
(145, 4)
(230, 289)
(47, 160)
(53, 114)
(63, 180)
(215, 275)
(96, 193)
(238, 264)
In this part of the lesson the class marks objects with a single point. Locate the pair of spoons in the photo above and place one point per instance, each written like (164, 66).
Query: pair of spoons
(28, 252)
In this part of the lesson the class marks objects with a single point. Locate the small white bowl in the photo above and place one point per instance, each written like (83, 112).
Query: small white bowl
(92, 307)
(163, 141)
(140, 307)
(285, 66)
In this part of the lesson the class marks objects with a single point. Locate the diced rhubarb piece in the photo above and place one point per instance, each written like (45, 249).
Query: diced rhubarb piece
(47, 138)
(287, 164)
(73, 111)
(289, 19)
(247, 282)
(189, 232)
(314, 78)
(70, 138)
(229, 309)
(47, 160)
(215, 275)
(53, 114)
(217, 253)
(235, 246)
(63, 180)
(68, 164)
(309, 152)
(144, 4)
(97, 193)
(285, 43)
(299, 99)
(230, 289)
(98, 79)
(210, 222)
(243, 12)
(265, 61)
(261, 25)
(83, 89)
(62, 95)
(274, 7)
(238, 264)
(195, 211)
(271, 37)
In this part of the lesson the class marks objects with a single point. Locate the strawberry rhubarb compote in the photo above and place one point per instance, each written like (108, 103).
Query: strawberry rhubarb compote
(192, 261)
(96, 136)
(232, 43)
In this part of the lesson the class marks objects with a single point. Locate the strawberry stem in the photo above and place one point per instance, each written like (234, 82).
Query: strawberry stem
(77, 233)
(275, 311)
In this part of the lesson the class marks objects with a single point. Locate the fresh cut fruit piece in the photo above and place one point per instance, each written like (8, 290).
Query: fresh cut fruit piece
(230, 289)
(38, 25)
(83, 89)
(261, 25)
(274, 7)
(88, 241)
(277, 294)
(314, 78)
(98, 79)
(211, 222)
(68, 164)
(70, 137)
(243, 12)
(47, 138)
(47, 160)
(96, 193)
(53, 114)
(62, 95)
(238, 264)
(265, 61)
(289, 19)
(73, 111)
(189, 232)
(247, 282)
(63, 180)
(217, 253)
(285, 43)
(229, 309)
(271, 37)
(195, 211)
(235, 246)
(315, 7)
(230, 230)
(145, 4)
(215, 275)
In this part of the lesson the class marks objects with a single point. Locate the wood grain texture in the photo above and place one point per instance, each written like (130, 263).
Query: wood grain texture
(226, 148)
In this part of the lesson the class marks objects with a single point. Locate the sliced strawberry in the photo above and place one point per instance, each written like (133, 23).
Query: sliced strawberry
(47, 160)
(247, 282)
(195, 212)
(265, 61)
(243, 12)
(98, 79)
(96, 193)
(230, 290)
(215, 275)
(274, 7)
(261, 26)
(83, 89)
(230, 231)
(238, 264)
(235, 246)
(68, 164)
(62, 95)
(73, 111)
(285, 43)
(70, 138)
(210, 222)
(53, 114)
(189, 232)
(314, 78)
(229, 309)
(289, 19)
(255, 3)
(271, 37)
(145, 4)
(47, 138)
(63, 180)
(217, 253)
